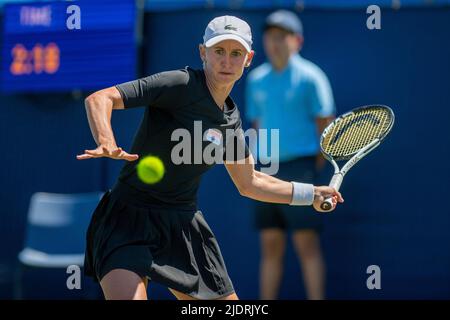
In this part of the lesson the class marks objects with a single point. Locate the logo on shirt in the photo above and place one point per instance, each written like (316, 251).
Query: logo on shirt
(213, 136)
(227, 146)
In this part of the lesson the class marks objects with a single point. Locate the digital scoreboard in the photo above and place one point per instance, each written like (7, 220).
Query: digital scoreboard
(68, 45)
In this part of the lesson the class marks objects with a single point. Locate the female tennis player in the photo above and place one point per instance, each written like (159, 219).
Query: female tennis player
(145, 231)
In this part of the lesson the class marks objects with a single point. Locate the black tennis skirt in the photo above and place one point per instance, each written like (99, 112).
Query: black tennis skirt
(172, 246)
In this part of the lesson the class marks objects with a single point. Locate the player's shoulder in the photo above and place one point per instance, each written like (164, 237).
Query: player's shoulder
(187, 82)
(260, 73)
(175, 77)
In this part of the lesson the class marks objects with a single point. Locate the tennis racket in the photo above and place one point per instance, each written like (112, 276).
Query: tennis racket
(351, 137)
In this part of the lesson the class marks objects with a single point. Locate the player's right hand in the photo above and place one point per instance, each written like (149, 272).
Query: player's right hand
(108, 151)
(323, 192)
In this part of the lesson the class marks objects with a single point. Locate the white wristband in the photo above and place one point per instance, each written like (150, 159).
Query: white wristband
(302, 194)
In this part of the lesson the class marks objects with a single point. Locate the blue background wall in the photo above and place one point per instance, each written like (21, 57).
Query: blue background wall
(395, 215)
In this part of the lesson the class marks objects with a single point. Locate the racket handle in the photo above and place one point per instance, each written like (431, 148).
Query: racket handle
(327, 204)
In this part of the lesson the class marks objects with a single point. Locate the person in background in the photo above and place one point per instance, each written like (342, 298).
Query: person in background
(293, 95)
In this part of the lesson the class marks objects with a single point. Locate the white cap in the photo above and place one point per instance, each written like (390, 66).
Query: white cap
(228, 28)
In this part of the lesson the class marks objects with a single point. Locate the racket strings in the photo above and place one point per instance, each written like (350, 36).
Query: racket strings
(355, 131)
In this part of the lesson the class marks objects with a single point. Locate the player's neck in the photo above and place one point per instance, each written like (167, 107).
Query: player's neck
(219, 92)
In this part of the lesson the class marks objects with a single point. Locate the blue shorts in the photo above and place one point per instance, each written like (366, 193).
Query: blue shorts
(286, 217)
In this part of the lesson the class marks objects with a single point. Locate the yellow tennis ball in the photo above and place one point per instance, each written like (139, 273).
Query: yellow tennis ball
(150, 169)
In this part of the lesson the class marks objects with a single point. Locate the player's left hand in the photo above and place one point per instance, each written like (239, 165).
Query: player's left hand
(108, 151)
(323, 192)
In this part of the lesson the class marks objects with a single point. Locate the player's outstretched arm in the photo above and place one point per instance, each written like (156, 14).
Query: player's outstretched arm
(262, 187)
(99, 106)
